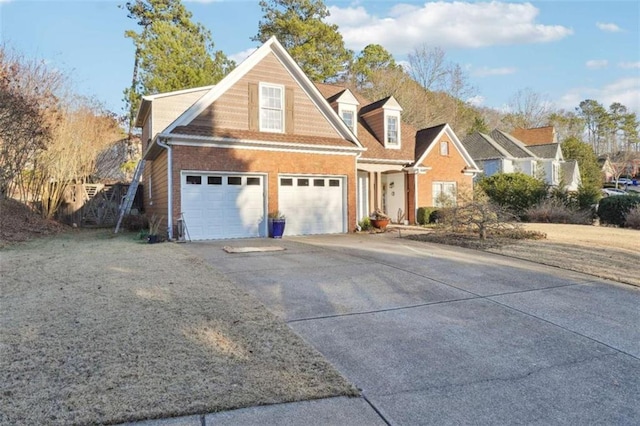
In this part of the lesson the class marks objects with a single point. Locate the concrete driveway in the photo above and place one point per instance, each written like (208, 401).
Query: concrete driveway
(444, 335)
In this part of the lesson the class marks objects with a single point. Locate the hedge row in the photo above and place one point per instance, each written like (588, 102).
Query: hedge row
(612, 210)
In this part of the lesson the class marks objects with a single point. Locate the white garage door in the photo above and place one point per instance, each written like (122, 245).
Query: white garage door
(312, 204)
(223, 205)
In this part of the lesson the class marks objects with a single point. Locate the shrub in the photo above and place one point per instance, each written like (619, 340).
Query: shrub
(515, 191)
(553, 210)
(632, 218)
(135, 222)
(423, 215)
(365, 224)
(588, 196)
(612, 210)
(438, 215)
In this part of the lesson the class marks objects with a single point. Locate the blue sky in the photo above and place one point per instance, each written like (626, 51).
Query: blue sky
(566, 50)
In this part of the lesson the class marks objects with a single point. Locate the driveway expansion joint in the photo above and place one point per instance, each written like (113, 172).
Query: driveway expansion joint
(384, 419)
(377, 311)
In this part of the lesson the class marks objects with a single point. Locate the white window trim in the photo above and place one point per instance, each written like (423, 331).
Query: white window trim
(282, 102)
(442, 183)
(555, 171)
(352, 109)
(445, 144)
(387, 115)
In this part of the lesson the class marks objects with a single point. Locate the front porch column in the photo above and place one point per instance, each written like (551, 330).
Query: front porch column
(378, 201)
(372, 192)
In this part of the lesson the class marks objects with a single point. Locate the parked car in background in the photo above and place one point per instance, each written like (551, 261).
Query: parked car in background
(607, 192)
(627, 181)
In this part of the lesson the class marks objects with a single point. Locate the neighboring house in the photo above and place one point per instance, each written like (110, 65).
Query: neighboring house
(500, 152)
(266, 139)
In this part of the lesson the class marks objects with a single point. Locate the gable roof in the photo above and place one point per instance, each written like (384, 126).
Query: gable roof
(345, 96)
(551, 150)
(425, 137)
(482, 147)
(425, 141)
(513, 146)
(537, 136)
(270, 46)
(375, 148)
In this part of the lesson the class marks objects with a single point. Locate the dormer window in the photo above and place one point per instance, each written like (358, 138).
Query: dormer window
(348, 118)
(347, 107)
(271, 108)
(392, 130)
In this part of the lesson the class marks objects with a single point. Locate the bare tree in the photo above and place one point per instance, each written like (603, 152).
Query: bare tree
(29, 111)
(49, 137)
(86, 129)
(528, 109)
(428, 66)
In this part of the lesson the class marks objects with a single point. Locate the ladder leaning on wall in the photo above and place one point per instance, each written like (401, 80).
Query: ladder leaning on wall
(127, 200)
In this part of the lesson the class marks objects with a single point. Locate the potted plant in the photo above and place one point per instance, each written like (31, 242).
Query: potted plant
(154, 229)
(379, 219)
(277, 222)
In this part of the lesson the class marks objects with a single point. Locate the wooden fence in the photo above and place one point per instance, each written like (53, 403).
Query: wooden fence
(94, 205)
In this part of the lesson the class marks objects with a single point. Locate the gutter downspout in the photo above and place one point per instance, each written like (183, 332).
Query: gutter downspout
(169, 187)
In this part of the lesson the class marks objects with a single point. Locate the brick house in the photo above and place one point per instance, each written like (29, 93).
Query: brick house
(265, 139)
(402, 169)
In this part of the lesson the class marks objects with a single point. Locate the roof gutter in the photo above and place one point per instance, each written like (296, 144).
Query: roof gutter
(169, 187)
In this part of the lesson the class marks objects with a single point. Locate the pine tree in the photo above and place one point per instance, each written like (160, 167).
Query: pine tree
(299, 26)
(172, 52)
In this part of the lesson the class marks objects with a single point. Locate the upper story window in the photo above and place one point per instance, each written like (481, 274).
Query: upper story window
(444, 148)
(348, 116)
(271, 108)
(392, 131)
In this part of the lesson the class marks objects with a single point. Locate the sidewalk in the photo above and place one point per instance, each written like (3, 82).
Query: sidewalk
(329, 411)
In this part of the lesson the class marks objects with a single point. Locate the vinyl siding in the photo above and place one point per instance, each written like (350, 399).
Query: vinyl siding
(231, 110)
(166, 110)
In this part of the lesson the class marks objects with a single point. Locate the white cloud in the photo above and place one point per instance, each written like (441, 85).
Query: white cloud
(486, 71)
(629, 64)
(241, 56)
(608, 27)
(476, 100)
(624, 90)
(445, 24)
(597, 63)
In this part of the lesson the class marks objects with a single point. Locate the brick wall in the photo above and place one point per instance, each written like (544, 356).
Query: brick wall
(443, 169)
(273, 163)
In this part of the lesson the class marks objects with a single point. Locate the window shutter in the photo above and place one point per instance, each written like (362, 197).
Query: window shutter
(253, 106)
(288, 115)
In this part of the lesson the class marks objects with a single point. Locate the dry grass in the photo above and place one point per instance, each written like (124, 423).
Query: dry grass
(605, 252)
(103, 329)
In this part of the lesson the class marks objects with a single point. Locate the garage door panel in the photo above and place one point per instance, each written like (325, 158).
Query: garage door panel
(216, 209)
(312, 205)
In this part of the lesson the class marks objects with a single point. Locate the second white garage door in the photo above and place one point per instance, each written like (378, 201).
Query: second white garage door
(313, 204)
(218, 205)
